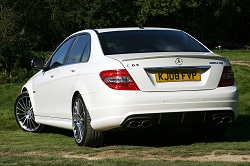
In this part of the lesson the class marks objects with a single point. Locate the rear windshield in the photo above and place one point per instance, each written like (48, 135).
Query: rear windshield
(139, 41)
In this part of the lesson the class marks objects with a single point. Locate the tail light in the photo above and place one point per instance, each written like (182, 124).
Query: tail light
(118, 79)
(227, 77)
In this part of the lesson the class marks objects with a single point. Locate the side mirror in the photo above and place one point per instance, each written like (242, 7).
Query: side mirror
(38, 63)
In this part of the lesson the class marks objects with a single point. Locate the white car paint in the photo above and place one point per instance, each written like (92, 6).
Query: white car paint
(52, 91)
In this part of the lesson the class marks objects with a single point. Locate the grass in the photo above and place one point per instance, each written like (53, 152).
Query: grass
(234, 55)
(57, 147)
(242, 80)
(8, 94)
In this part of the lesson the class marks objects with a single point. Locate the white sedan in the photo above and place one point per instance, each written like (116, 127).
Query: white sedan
(129, 78)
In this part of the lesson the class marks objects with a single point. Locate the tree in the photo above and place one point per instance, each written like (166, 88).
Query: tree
(14, 53)
(8, 37)
(211, 21)
(109, 13)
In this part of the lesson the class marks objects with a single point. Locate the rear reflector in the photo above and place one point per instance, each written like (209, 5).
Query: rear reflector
(227, 77)
(118, 79)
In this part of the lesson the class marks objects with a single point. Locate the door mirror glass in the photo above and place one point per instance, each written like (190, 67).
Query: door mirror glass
(37, 63)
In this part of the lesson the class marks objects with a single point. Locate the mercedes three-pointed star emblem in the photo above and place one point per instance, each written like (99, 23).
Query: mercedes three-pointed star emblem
(179, 61)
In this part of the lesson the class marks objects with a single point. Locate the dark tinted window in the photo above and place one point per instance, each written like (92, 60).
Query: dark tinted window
(122, 42)
(60, 55)
(78, 48)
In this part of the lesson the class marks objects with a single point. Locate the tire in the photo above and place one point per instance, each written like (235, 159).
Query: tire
(24, 114)
(84, 134)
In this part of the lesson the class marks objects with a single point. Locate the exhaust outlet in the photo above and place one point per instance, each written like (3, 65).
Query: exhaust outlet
(227, 119)
(134, 124)
(146, 123)
(217, 120)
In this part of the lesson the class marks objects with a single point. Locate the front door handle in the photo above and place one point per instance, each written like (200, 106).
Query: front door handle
(52, 75)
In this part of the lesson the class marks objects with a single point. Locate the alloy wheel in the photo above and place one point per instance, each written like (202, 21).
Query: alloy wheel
(78, 120)
(24, 113)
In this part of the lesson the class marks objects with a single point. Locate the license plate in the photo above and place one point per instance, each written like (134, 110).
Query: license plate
(177, 76)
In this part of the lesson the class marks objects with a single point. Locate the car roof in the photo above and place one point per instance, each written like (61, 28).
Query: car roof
(132, 28)
(103, 30)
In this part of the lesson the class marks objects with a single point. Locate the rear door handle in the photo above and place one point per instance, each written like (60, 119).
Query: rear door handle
(73, 70)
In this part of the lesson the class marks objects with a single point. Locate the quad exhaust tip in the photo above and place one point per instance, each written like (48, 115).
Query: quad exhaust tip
(219, 119)
(134, 124)
(137, 123)
(146, 123)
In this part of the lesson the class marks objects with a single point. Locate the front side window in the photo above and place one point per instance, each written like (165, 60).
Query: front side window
(139, 41)
(60, 55)
(78, 49)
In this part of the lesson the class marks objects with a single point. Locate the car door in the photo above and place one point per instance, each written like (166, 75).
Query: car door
(44, 84)
(53, 88)
(67, 76)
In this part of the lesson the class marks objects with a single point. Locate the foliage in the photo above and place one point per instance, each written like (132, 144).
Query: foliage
(14, 53)
(45, 23)
(109, 13)
(14, 62)
(41, 25)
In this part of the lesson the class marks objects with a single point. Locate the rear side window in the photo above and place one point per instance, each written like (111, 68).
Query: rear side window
(139, 41)
(86, 53)
(78, 50)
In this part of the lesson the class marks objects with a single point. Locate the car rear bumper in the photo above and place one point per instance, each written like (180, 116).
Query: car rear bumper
(119, 108)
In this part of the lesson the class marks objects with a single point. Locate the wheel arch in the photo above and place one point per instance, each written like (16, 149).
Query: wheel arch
(24, 89)
(28, 88)
(84, 90)
(85, 99)
(73, 98)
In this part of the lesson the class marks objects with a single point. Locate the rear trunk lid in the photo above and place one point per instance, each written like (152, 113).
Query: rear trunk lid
(173, 71)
